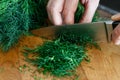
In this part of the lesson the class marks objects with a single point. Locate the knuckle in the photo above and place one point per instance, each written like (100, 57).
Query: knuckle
(68, 22)
(68, 17)
(50, 9)
(67, 12)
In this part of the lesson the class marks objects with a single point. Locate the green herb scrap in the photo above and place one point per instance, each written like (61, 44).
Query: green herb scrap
(80, 11)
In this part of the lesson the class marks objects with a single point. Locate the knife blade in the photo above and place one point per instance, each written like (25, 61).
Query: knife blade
(99, 31)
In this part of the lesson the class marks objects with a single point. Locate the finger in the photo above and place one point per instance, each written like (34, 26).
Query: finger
(116, 17)
(116, 35)
(69, 9)
(90, 8)
(116, 39)
(54, 9)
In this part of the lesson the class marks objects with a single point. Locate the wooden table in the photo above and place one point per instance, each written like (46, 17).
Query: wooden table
(104, 65)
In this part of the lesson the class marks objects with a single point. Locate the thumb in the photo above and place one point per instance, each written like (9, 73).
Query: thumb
(116, 17)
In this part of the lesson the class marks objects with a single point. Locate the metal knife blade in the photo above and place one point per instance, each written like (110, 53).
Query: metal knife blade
(99, 31)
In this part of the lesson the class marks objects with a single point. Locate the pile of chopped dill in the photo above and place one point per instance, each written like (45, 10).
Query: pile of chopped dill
(61, 56)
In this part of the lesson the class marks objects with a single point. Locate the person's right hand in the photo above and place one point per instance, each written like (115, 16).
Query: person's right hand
(116, 31)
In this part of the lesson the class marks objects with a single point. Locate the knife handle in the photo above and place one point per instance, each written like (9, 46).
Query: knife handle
(115, 23)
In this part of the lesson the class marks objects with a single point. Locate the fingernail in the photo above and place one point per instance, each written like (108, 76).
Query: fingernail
(116, 17)
(117, 42)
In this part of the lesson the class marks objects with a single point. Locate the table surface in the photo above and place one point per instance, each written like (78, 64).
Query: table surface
(104, 65)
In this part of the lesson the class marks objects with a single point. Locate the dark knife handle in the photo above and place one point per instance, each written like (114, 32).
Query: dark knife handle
(115, 23)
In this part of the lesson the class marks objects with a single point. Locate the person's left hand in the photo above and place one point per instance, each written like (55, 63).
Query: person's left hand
(116, 35)
(116, 31)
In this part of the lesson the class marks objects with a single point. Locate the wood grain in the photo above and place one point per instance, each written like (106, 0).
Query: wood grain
(104, 65)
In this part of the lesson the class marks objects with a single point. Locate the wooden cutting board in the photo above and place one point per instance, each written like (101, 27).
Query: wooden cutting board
(104, 65)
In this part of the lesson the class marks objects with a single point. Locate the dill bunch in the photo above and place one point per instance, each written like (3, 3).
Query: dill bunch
(40, 17)
(17, 17)
(12, 23)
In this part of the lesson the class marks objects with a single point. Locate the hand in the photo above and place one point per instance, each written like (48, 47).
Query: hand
(62, 11)
(116, 35)
(116, 31)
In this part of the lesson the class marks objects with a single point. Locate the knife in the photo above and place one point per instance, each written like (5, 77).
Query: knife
(99, 31)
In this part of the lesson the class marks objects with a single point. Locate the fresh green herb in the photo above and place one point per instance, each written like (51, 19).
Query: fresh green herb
(79, 13)
(58, 58)
(77, 36)
(11, 23)
(18, 17)
(61, 56)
